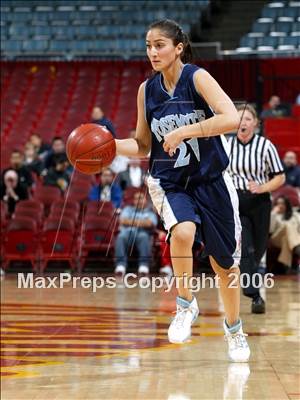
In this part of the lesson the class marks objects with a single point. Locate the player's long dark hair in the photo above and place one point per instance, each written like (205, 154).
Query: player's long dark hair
(173, 31)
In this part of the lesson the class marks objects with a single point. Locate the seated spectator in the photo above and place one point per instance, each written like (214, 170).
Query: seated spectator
(133, 176)
(57, 147)
(120, 163)
(99, 118)
(107, 190)
(12, 190)
(58, 175)
(136, 230)
(291, 169)
(285, 230)
(31, 159)
(40, 147)
(275, 108)
(17, 163)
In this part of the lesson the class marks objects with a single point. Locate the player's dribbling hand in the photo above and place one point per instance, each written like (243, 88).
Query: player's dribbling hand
(254, 187)
(172, 141)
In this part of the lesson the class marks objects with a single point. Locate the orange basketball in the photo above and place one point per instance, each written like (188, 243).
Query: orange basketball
(90, 147)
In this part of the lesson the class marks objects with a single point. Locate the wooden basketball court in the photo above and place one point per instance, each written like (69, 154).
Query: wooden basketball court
(74, 344)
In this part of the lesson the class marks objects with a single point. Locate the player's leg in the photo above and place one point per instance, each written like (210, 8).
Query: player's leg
(229, 282)
(238, 349)
(182, 239)
(181, 242)
(178, 211)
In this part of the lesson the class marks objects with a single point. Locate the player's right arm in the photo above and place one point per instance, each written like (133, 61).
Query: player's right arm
(141, 144)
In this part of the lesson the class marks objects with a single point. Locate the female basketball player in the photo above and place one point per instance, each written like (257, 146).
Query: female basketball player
(193, 195)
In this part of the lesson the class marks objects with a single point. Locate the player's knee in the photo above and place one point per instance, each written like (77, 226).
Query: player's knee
(183, 236)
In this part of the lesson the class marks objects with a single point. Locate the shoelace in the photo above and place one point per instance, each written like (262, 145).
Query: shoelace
(238, 338)
(180, 316)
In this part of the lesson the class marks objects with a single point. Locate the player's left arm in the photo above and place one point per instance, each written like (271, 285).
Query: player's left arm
(226, 118)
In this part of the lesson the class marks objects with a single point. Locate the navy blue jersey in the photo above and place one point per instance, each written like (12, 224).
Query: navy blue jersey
(196, 159)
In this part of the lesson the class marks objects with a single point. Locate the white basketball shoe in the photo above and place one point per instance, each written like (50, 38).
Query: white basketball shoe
(180, 328)
(238, 349)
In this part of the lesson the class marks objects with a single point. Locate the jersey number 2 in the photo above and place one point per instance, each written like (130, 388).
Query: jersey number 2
(183, 158)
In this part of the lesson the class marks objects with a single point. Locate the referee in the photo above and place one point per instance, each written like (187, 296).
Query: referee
(256, 170)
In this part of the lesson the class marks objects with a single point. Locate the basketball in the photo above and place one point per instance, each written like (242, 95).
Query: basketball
(90, 148)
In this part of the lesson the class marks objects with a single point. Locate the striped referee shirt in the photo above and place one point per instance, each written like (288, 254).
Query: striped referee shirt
(256, 160)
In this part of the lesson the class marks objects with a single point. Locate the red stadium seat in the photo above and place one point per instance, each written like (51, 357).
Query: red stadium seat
(290, 192)
(21, 242)
(78, 193)
(98, 236)
(35, 214)
(100, 209)
(129, 194)
(66, 214)
(65, 208)
(47, 195)
(30, 204)
(296, 111)
(58, 242)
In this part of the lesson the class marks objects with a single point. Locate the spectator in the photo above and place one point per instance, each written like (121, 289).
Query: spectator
(12, 190)
(40, 147)
(285, 230)
(136, 229)
(133, 176)
(108, 190)
(120, 163)
(291, 169)
(298, 100)
(99, 118)
(275, 108)
(31, 159)
(57, 147)
(58, 175)
(17, 164)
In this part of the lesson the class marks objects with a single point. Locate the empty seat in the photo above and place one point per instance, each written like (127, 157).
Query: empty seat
(270, 12)
(290, 40)
(21, 242)
(32, 204)
(35, 214)
(86, 31)
(261, 27)
(47, 195)
(35, 45)
(98, 236)
(11, 46)
(58, 242)
(247, 41)
(66, 204)
(283, 27)
(59, 45)
(268, 41)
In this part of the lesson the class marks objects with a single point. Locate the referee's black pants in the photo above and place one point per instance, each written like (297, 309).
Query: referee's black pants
(255, 212)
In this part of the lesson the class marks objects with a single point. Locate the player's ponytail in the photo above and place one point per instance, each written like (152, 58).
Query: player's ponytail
(187, 55)
(173, 31)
